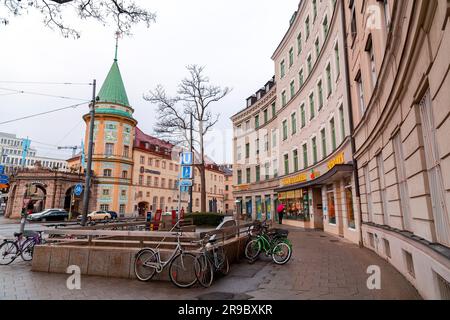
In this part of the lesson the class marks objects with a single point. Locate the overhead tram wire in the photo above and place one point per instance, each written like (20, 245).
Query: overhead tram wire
(41, 94)
(46, 112)
(48, 83)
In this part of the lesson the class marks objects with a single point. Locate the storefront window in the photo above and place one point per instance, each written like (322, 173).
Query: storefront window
(330, 204)
(296, 203)
(349, 204)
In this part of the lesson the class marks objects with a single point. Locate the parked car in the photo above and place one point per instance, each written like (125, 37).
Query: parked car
(113, 214)
(97, 215)
(49, 215)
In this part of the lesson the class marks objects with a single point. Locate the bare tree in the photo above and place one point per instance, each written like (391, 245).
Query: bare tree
(195, 96)
(123, 13)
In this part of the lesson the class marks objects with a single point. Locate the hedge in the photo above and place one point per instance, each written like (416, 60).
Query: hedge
(206, 219)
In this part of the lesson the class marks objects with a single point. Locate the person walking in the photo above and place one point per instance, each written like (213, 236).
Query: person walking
(281, 208)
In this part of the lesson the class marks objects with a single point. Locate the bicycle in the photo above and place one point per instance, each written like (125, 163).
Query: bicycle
(183, 265)
(212, 259)
(10, 250)
(273, 243)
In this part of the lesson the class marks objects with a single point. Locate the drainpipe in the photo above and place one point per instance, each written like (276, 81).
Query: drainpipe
(352, 128)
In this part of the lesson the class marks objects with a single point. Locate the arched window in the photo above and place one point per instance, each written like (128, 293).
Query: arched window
(197, 202)
(162, 203)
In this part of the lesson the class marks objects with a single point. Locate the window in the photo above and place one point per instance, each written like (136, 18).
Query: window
(274, 139)
(124, 174)
(337, 59)
(305, 156)
(368, 193)
(104, 207)
(266, 142)
(402, 181)
(333, 134)
(307, 30)
(247, 125)
(109, 149)
(309, 62)
(274, 111)
(239, 153)
(257, 122)
(163, 165)
(387, 14)
(311, 106)
(317, 46)
(163, 182)
(292, 87)
(329, 83)
(360, 88)
(291, 57)
(123, 193)
(409, 263)
(283, 98)
(257, 146)
(248, 174)
(299, 43)
(331, 205)
(247, 150)
(149, 181)
(156, 182)
(239, 177)
(353, 21)
(282, 69)
(303, 115)
(286, 164)
(320, 91)
(314, 4)
(381, 177)
(106, 192)
(275, 168)
(157, 163)
(258, 173)
(107, 173)
(295, 157)
(126, 151)
(141, 180)
(301, 78)
(294, 123)
(323, 139)
(285, 130)
(341, 117)
(325, 27)
(150, 161)
(314, 149)
(267, 168)
(373, 68)
(266, 116)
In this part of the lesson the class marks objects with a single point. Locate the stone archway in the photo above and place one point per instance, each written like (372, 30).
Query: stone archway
(73, 203)
(35, 197)
(143, 208)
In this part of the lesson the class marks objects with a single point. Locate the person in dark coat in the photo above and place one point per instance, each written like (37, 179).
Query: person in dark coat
(281, 210)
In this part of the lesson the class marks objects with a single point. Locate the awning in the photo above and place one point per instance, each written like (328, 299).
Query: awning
(338, 171)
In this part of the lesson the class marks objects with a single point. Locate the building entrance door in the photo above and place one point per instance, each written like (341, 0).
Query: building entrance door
(318, 208)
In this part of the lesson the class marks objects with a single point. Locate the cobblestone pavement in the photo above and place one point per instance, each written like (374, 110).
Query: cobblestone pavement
(322, 267)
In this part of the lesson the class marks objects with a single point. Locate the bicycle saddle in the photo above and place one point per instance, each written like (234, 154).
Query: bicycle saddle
(17, 234)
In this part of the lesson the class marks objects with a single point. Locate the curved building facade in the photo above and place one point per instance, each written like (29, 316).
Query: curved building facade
(293, 140)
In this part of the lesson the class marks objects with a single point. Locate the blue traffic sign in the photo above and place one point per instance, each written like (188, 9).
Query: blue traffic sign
(187, 159)
(186, 183)
(184, 189)
(4, 179)
(78, 190)
(186, 172)
(2, 169)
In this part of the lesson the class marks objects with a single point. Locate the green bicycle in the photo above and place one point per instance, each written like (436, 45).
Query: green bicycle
(273, 243)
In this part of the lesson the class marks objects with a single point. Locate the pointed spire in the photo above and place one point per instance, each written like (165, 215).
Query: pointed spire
(117, 44)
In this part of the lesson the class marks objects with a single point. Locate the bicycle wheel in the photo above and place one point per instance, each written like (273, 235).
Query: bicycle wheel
(253, 250)
(27, 250)
(8, 252)
(183, 270)
(222, 262)
(142, 270)
(281, 253)
(205, 272)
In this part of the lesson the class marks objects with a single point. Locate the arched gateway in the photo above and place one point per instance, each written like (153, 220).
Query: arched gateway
(38, 189)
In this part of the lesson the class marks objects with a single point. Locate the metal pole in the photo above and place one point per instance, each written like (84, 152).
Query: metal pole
(89, 160)
(193, 166)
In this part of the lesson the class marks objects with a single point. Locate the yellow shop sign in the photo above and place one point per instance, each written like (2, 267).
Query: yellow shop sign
(294, 180)
(339, 159)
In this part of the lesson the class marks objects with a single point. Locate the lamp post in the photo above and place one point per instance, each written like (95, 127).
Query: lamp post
(87, 187)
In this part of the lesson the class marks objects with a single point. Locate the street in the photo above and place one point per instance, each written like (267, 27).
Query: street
(322, 267)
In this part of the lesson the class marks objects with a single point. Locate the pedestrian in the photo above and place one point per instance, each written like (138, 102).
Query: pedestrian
(280, 209)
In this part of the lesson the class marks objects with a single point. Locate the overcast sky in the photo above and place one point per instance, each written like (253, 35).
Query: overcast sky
(234, 39)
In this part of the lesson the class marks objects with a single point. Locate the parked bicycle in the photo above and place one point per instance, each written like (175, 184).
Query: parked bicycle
(272, 242)
(211, 260)
(22, 246)
(182, 265)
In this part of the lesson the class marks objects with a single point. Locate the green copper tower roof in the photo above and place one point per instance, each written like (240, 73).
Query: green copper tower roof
(113, 90)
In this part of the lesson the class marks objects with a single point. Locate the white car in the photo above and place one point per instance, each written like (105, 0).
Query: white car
(97, 215)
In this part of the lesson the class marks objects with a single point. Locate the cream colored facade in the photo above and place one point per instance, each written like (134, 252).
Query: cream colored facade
(299, 152)
(399, 66)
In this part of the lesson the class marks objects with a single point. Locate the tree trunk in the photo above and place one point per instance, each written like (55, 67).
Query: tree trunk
(202, 170)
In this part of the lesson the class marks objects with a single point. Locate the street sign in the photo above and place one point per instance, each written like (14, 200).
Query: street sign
(184, 189)
(2, 169)
(187, 159)
(186, 183)
(186, 172)
(78, 190)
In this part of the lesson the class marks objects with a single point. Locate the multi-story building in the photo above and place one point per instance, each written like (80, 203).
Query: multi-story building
(398, 69)
(11, 150)
(292, 142)
(230, 205)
